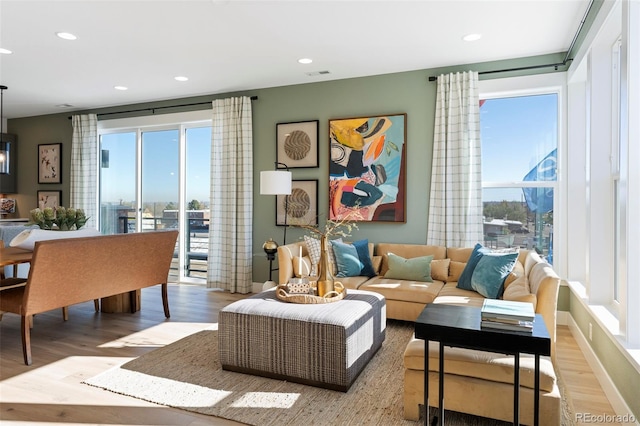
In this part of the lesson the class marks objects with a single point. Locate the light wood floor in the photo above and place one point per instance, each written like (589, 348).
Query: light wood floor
(65, 353)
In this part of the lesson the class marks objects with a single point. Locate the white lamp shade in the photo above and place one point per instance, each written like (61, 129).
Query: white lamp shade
(275, 182)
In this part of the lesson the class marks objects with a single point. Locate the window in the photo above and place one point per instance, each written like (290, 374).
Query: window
(519, 170)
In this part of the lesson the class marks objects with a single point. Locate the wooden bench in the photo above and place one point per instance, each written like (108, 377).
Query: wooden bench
(70, 271)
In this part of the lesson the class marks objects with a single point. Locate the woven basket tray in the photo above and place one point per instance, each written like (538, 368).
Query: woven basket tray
(334, 296)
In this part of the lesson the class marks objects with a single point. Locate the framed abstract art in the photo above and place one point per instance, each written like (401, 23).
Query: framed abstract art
(301, 206)
(367, 168)
(297, 144)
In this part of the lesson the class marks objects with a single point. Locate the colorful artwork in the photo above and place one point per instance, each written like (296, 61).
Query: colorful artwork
(367, 168)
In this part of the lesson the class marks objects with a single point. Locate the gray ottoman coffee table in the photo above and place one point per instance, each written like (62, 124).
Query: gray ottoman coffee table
(324, 345)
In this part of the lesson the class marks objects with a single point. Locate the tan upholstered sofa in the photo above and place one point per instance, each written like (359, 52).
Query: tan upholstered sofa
(478, 383)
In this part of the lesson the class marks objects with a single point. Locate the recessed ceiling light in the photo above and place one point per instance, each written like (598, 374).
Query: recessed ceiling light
(181, 78)
(5, 51)
(305, 61)
(121, 87)
(472, 37)
(66, 36)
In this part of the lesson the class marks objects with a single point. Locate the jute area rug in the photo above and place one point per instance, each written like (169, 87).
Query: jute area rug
(187, 375)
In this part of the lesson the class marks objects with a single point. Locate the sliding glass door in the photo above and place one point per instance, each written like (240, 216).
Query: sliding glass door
(153, 179)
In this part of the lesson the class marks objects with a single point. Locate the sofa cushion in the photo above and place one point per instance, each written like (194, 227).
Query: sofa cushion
(464, 281)
(452, 295)
(415, 269)
(455, 270)
(516, 272)
(519, 291)
(491, 271)
(403, 290)
(364, 254)
(482, 365)
(440, 269)
(347, 262)
(313, 248)
(408, 251)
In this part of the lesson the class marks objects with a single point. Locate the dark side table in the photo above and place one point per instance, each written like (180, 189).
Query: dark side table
(459, 326)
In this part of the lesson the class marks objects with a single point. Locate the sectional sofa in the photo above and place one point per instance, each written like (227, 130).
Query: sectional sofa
(478, 383)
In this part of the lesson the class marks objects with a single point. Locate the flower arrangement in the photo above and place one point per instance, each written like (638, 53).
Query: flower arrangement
(59, 218)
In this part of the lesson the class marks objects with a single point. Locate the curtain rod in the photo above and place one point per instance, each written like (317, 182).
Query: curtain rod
(153, 109)
(532, 67)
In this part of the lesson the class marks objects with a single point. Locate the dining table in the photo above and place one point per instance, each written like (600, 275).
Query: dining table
(13, 256)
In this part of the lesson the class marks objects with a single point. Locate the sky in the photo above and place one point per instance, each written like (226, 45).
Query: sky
(516, 134)
(160, 153)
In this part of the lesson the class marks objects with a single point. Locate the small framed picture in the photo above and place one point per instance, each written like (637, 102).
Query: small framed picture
(301, 206)
(297, 144)
(50, 163)
(49, 199)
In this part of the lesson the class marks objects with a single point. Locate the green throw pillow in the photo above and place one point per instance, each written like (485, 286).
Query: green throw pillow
(414, 269)
(491, 271)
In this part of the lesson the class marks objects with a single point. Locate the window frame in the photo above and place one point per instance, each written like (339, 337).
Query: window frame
(540, 84)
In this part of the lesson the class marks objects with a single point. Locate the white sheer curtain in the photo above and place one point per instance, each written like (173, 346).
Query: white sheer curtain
(230, 229)
(455, 203)
(84, 166)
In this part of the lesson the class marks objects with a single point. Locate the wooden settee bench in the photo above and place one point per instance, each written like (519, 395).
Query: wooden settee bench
(70, 271)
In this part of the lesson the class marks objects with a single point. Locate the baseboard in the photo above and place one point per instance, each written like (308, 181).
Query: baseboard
(608, 387)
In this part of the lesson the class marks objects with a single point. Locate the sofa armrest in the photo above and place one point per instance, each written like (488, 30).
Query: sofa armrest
(545, 284)
(285, 260)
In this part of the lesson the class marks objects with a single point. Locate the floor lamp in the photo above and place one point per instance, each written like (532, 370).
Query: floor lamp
(276, 182)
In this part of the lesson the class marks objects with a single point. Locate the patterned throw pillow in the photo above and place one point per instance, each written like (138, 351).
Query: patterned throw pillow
(313, 248)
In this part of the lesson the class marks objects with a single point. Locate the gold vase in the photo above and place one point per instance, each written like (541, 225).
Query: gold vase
(325, 275)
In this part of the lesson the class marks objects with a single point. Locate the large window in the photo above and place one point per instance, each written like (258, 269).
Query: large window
(519, 170)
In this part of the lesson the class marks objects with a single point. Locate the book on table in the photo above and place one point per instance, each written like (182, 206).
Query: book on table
(507, 310)
(523, 326)
(507, 315)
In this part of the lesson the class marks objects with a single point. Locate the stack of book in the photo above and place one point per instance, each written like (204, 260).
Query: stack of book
(507, 315)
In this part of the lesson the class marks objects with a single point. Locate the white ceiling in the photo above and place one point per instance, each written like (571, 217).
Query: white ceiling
(237, 45)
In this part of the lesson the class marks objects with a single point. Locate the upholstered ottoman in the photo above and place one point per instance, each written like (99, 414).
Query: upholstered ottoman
(325, 345)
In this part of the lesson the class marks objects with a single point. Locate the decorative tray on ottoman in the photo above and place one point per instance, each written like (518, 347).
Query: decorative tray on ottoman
(333, 296)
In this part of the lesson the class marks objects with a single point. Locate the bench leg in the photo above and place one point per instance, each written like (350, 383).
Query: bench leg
(26, 338)
(96, 304)
(65, 313)
(165, 300)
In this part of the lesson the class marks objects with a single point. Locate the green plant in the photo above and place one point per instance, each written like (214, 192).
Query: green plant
(59, 218)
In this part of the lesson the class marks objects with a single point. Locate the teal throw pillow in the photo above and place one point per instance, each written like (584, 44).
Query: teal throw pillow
(347, 260)
(491, 271)
(362, 247)
(464, 281)
(414, 269)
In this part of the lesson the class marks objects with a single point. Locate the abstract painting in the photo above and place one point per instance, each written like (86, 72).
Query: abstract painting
(367, 168)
